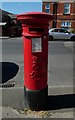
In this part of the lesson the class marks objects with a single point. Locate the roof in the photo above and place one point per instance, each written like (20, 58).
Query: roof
(58, 1)
(3, 12)
(13, 16)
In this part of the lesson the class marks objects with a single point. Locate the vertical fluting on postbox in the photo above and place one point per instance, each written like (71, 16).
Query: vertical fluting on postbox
(35, 39)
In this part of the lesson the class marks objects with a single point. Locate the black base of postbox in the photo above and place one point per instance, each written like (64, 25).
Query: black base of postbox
(36, 100)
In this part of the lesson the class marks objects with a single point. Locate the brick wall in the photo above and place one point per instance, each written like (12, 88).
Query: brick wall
(59, 16)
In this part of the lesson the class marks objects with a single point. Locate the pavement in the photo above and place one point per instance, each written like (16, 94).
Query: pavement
(13, 113)
(60, 105)
(60, 93)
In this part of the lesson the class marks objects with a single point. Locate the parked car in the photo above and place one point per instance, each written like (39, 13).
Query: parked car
(60, 34)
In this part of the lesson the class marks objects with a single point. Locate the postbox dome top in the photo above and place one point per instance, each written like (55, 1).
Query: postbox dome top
(34, 15)
(36, 19)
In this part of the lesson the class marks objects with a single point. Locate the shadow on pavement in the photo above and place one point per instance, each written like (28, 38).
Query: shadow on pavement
(8, 70)
(61, 101)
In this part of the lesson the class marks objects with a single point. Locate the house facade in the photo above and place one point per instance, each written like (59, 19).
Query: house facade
(63, 12)
(9, 26)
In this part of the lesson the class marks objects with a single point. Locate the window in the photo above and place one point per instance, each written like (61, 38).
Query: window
(66, 24)
(63, 31)
(47, 8)
(55, 30)
(66, 8)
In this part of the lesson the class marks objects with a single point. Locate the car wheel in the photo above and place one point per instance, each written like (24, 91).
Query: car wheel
(50, 38)
(72, 38)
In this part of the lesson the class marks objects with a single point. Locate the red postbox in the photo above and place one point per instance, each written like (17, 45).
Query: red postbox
(35, 38)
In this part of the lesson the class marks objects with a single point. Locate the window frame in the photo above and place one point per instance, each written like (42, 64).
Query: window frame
(47, 8)
(66, 24)
(67, 8)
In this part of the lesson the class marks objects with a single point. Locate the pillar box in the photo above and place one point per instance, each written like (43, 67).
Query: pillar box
(35, 39)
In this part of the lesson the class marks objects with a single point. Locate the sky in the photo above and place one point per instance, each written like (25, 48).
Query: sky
(21, 7)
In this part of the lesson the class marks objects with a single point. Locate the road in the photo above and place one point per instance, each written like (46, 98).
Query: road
(60, 61)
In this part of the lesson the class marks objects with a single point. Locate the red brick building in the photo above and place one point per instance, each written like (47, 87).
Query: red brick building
(63, 11)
